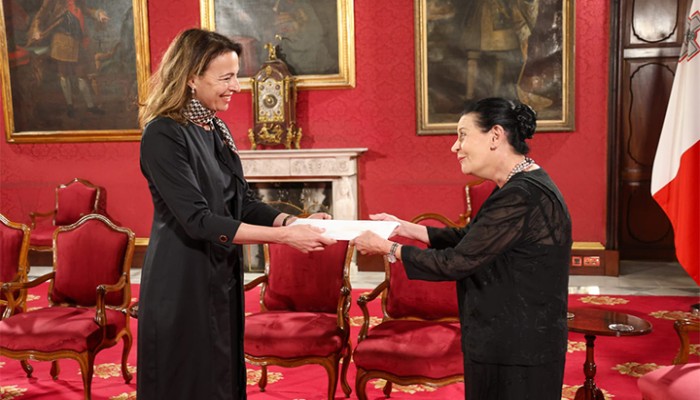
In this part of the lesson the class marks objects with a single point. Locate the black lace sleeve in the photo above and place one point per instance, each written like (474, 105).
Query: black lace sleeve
(498, 227)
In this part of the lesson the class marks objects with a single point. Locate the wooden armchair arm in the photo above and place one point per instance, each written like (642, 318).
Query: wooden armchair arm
(18, 278)
(255, 282)
(343, 308)
(440, 218)
(683, 327)
(30, 284)
(36, 215)
(362, 302)
(9, 287)
(100, 315)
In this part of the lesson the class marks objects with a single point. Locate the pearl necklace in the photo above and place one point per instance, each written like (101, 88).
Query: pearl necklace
(521, 166)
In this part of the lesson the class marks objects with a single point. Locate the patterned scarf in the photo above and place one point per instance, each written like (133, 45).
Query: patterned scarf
(196, 113)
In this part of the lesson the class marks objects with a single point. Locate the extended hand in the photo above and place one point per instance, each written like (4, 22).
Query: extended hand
(383, 217)
(320, 215)
(399, 231)
(371, 243)
(306, 238)
(102, 16)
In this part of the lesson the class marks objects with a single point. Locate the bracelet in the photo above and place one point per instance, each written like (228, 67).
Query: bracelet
(284, 221)
(391, 257)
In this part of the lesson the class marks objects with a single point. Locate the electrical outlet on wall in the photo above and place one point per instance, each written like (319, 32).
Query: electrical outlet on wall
(591, 261)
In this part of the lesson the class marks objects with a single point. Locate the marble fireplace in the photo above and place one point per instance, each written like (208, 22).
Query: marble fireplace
(302, 181)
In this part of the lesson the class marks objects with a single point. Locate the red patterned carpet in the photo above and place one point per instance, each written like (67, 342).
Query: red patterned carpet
(620, 361)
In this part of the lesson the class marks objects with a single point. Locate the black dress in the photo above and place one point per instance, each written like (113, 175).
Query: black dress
(511, 264)
(190, 327)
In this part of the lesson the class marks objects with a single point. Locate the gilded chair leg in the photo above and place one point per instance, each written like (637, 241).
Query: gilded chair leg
(28, 369)
(344, 373)
(263, 378)
(387, 389)
(125, 355)
(55, 369)
(361, 384)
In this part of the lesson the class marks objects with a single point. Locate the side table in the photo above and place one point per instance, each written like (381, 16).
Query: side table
(596, 322)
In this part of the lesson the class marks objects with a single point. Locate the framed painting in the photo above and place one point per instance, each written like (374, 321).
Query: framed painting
(471, 49)
(317, 37)
(73, 71)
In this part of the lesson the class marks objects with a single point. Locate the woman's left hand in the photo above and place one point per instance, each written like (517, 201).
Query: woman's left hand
(320, 215)
(371, 243)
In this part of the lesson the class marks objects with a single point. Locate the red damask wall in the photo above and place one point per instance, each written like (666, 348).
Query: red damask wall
(402, 173)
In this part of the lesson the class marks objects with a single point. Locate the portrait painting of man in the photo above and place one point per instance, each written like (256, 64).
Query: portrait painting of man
(515, 49)
(72, 64)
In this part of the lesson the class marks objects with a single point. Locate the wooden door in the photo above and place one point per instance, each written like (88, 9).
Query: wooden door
(646, 40)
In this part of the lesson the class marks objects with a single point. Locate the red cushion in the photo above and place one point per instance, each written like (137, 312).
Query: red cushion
(671, 383)
(10, 246)
(478, 195)
(90, 255)
(291, 334)
(417, 298)
(42, 235)
(305, 282)
(74, 201)
(57, 328)
(412, 348)
(10, 250)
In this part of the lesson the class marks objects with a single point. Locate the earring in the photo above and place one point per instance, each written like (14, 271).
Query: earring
(192, 90)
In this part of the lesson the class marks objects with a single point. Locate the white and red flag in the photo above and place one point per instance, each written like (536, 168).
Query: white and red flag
(675, 178)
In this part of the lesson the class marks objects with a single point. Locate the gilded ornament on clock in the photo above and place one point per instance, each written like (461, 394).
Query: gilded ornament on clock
(274, 105)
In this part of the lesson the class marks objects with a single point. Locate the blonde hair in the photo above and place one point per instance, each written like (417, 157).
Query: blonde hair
(188, 55)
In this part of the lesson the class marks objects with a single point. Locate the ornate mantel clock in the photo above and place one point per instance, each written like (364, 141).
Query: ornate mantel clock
(274, 103)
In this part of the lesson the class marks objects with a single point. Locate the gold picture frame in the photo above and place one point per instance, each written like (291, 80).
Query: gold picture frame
(469, 49)
(318, 37)
(73, 75)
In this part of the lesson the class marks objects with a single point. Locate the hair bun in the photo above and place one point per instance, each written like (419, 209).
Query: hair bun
(526, 118)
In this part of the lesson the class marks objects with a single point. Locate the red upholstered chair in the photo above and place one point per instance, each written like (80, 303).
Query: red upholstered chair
(680, 381)
(14, 245)
(418, 340)
(304, 312)
(476, 192)
(88, 294)
(73, 200)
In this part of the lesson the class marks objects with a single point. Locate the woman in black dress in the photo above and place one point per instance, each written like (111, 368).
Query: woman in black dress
(511, 262)
(190, 331)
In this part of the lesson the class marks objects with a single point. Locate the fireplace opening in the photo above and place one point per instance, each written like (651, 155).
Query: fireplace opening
(296, 198)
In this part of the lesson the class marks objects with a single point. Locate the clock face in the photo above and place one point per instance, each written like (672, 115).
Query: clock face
(270, 101)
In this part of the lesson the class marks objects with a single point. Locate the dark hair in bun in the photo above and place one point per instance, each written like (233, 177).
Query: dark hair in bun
(517, 119)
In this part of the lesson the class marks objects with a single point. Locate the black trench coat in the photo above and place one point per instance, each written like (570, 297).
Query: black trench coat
(190, 327)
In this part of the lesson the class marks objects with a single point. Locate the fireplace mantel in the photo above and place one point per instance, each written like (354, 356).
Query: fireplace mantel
(300, 163)
(336, 165)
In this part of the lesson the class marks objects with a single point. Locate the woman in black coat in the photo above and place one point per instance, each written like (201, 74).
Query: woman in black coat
(190, 336)
(511, 262)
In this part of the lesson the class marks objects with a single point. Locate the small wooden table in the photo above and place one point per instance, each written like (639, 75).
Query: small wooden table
(592, 322)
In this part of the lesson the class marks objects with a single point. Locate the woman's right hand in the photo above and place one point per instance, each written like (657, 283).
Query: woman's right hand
(399, 231)
(306, 238)
(405, 229)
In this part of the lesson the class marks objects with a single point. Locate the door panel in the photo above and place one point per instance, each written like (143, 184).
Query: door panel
(649, 34)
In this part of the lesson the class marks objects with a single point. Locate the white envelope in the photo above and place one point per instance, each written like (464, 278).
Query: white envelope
(339, 229)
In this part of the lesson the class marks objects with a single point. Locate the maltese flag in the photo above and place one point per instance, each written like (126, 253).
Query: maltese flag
(675, 178)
